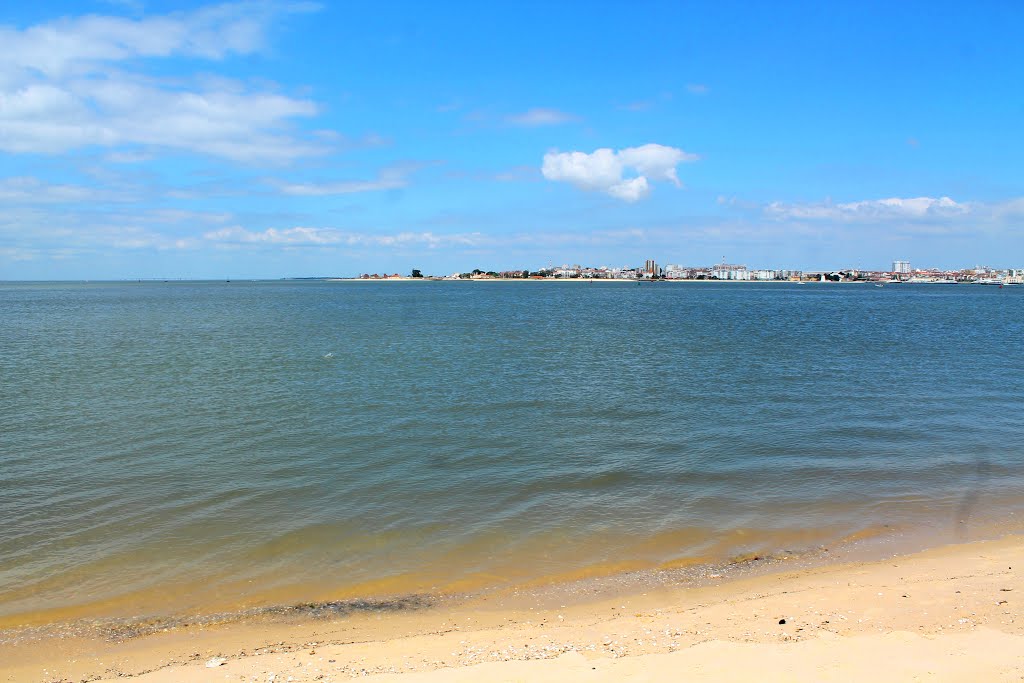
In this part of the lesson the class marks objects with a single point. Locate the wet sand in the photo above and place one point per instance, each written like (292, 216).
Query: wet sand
(949, 613)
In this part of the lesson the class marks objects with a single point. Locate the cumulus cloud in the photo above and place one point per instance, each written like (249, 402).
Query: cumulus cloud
(64, 85)
(537, 117)
(871, 210)
(603, 170)
(630, 190)
(656, 161)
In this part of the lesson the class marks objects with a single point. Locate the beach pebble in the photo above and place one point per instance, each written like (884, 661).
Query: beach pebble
(215, 662)
(782, 621)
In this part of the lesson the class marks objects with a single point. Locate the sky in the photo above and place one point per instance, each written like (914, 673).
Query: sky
(287, 139)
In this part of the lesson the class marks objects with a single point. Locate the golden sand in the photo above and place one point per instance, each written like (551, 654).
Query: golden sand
(947, 614)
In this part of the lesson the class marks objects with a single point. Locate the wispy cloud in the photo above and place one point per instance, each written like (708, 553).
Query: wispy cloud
(518, 174)
(889, 218)
(392, 178)
(698, 89)
(1009, 209)
(74, 45)
(603, 169)
(534, 118)
(636, 106)
(69, 84)
(55, 232)
(313, 237)
(871, 210)
(30, 190)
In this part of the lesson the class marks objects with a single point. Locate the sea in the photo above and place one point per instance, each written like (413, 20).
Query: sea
(175, 447)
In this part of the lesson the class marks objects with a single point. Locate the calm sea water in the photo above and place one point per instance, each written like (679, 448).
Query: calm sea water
(165, 444)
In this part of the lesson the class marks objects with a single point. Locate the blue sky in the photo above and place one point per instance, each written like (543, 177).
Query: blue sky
(270, 139)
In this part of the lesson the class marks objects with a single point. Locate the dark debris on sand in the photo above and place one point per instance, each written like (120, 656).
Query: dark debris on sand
(119, 630)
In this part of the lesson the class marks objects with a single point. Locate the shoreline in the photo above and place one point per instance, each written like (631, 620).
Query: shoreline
(166, 605)
(961, 593)
(635, 281)
(585, 280)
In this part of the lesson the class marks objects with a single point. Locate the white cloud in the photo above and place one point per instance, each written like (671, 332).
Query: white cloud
(388, 179)
(237, 236)
(74, 44)
(598, 170)
(603, 169)
(114, 112)
(128, 157)
(29, 190)
(656, 161)
(537, 117)
(630, 190)
(182, 216)
(871, 210)
(55, 232)
(1013, 208)
(312, 237)
(698, 88)
(63, 86)
(306, 236)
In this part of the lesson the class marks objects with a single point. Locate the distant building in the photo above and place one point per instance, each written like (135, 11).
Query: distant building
(901, 267)
(676, 272)
(651, 268)
(725, 271)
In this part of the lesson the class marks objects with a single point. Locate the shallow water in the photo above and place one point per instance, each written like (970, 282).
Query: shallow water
(165, 445)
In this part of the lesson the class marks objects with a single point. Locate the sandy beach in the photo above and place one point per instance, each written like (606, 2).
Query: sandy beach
(946, 614)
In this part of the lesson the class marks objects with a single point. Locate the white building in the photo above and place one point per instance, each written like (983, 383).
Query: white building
(724, 271)
(674, 271)
(901, 267)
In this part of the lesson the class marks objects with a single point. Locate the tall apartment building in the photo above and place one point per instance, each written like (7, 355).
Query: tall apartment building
(901, 266)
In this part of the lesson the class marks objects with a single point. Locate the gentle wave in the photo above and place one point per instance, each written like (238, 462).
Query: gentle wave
(169, 444)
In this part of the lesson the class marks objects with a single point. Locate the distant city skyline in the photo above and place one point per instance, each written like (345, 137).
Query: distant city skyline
(901, 271)
(283, 138)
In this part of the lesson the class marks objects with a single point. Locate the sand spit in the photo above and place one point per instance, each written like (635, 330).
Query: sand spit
(947, 614)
